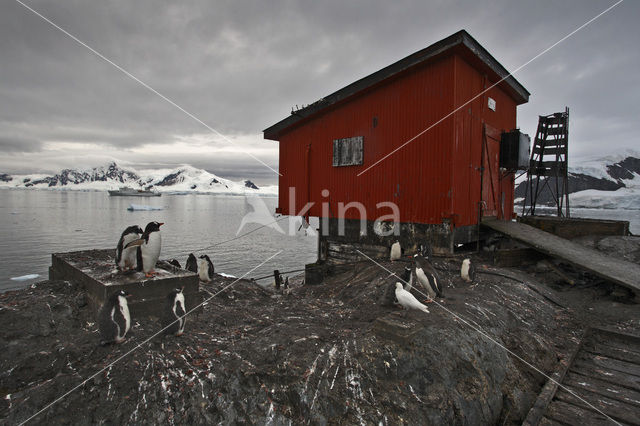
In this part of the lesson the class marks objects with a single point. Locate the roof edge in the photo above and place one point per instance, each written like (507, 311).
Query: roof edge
(461, 37)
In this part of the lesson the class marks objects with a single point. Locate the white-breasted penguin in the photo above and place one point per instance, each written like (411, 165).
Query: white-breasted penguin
(126, 257)
(192, 263)
(408, 300)
(173, 317)
(467, 271)
(149, 246)
(114, 320)
(426, 274)
(205, 268)
(396, 251)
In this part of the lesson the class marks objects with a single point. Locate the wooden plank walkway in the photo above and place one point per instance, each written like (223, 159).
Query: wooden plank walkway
(602, 376)
(610, 268)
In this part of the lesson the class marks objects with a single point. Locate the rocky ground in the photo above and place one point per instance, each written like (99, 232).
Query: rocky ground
(332, 353)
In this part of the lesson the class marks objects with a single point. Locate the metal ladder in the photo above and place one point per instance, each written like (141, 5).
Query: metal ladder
(547, 179)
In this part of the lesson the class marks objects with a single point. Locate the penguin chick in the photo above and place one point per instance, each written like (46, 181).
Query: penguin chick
(467, 271)
(149, 246)
(173, 316)
(126, 257)
(114, 320)
(205, 268)
(408, 300)
(192, 263)
(396, 251)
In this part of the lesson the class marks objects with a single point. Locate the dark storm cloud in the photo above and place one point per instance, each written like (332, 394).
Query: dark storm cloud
(241, 66)
(19, 144)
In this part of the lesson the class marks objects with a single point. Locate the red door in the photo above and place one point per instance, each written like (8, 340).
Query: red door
(492, 199)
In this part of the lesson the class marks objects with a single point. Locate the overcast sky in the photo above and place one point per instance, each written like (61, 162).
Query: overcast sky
(239, 66)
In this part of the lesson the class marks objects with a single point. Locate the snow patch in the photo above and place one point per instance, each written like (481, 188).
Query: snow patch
(25, 277)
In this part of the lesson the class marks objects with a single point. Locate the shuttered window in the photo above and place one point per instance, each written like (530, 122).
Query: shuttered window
(348, 151)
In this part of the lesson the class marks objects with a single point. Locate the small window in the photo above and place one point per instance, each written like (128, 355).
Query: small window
(348, 151)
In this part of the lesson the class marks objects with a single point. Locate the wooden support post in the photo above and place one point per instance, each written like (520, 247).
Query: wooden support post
(278, 278)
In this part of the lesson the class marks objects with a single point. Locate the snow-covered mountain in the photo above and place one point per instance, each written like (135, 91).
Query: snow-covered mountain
(611, 182)
(183, 179)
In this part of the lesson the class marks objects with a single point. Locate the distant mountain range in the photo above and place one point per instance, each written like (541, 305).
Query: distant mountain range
(179, 180)
(609, 182)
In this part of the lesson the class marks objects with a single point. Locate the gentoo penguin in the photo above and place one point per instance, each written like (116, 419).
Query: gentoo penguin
(407, 300)
(396, 251)
(426, 274)
(407, 278)
(205, 268)
(149, 246)
(467, 271)
(113, 319)
(192, 263)
(389, 298)
(173, 317)
(126, 257)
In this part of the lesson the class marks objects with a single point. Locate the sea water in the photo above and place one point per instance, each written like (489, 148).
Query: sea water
(36, 223)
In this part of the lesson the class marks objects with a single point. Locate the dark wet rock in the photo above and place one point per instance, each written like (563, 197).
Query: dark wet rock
(81, 300)
(327, 354)
(627, 248)
(5, 177)
(249, 184)
(214, 180)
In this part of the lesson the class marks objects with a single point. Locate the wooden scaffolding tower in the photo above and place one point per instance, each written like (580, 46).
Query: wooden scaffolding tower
(547, 180)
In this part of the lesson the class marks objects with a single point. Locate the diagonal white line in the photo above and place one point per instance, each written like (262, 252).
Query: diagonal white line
(136, 79)
(483, 333)
(144, 342)
(490, 87)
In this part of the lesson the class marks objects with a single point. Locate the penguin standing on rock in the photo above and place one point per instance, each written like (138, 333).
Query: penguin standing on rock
(126, 257)
(407, 278)
(396, 251)
(149, 246)
(114, 320)
(426, 274)
(173, 317)
(205, 268)
(192, 263)
(467, 271)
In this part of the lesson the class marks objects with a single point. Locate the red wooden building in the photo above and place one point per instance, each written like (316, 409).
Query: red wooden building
(442, 181)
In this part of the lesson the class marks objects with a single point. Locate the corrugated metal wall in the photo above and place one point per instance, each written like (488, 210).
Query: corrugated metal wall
(434, 177)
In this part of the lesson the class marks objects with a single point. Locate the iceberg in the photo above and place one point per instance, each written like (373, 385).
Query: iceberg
(142, 207)
(25, 277)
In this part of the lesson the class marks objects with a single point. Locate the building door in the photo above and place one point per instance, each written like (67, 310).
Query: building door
(492, 198)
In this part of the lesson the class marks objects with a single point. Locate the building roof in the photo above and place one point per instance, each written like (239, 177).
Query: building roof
(461, 41)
